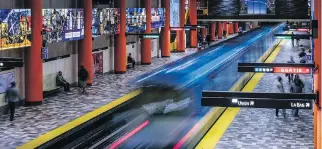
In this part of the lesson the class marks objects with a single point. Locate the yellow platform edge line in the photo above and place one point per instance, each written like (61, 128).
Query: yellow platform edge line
(70, 125)
(210, 140)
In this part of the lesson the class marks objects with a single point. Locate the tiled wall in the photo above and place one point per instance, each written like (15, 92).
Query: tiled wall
(294, 8)
(224, 7)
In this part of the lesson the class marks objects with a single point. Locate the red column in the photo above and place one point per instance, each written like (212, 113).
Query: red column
(231, 28)
(120, 46)
(181, 33)
(220, 30)
(203, 32)
(33, 61)
(236, 27)
(85, 52)
(213, 31)
(193, 21)
(165, 51)
(146, 57)
(225, 28)
(317, 77)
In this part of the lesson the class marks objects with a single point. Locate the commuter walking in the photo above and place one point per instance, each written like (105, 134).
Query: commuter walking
(292, 39)
(12, 97)
(83, 77)
(280, 88)
(290, 76)
(297, 86)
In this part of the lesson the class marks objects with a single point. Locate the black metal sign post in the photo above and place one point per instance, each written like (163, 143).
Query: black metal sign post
(276, 68)
(8, 62)
(189, 27)
(144, 35)
(258, 100)
(292, 36)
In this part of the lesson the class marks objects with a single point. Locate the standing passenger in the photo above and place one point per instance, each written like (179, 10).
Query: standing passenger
(280, 88)
(292, 39)
(297, 87)
(290, 76)
(83, 77)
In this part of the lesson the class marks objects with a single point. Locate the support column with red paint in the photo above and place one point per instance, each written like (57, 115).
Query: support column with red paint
(146, 51)
(120, 57)
(318, 77)
(231, 28)
(225, 28)
(203, 32)
(193, 21)
(181, 44)
(220, 30)
(236, 27)
(213, 31)
(33, 61)
(85, 57)
(165, 51)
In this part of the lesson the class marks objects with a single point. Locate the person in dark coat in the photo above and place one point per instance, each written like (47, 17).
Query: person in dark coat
(280, 88)
(60, 81)
(82, 78)
(297, 86)
(12, 97)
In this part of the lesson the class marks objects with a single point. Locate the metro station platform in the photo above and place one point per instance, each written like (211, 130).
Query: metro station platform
(246, 128)
(32, 122)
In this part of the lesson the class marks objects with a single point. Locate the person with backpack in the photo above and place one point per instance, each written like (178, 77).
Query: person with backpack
(83, 77)
(297, 86)
(280, 88)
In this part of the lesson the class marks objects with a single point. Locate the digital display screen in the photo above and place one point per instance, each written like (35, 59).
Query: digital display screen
(174, 13)
(15, 28)
(105, 21)
(136, 19)
(249, 7)
(273, 9)
(63, 24)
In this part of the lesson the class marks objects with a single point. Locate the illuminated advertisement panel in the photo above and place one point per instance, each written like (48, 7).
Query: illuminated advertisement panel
(63, 25)
(105, 21)
(135, 19)
(174, 13)
(15, 28)
(158, 17)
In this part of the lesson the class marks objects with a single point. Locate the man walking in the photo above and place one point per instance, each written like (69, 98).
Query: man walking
(12, 96)
(83, 77)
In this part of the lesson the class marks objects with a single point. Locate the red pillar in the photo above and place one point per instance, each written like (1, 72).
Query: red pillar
(146, 57)
(203, 32)
(193, 21)
(231, 28)
(165, 51)
(220, 30)
(213, 31)
(33, 61)
(181, 33)
(225, 28)
(236, 27)
(85, 52)
(317, 77)
(120, 46)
